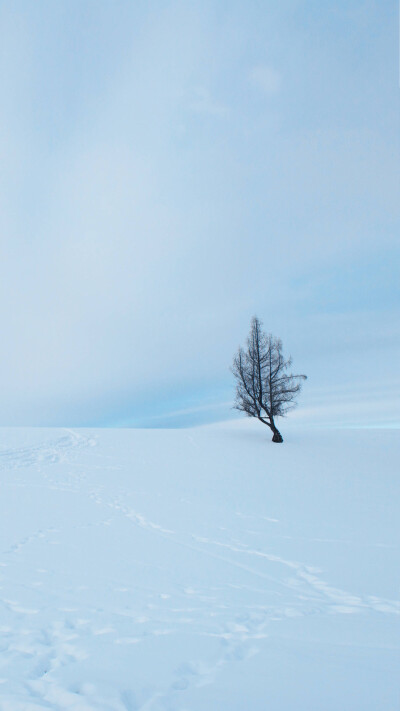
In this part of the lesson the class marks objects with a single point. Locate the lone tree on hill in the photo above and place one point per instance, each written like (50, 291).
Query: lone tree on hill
(264, 388)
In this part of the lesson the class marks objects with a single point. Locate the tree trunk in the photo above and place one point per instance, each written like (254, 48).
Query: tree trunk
(277, 437)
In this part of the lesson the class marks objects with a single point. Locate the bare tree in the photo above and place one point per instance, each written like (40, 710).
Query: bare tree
(264, 388)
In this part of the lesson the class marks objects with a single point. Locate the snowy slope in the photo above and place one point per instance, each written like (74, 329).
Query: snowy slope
(199, 570)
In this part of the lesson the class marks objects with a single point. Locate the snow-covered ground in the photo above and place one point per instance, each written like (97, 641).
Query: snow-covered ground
(199, 570)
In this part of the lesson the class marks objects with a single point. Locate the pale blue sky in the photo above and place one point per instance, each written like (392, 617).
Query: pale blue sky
(171, 168)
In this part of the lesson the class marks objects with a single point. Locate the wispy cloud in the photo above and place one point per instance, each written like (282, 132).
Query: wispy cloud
(204, 103)
(265, 78)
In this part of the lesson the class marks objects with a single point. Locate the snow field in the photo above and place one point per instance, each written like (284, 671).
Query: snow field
(184, 570)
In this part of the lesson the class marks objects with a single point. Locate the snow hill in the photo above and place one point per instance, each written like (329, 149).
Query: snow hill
(199, 570)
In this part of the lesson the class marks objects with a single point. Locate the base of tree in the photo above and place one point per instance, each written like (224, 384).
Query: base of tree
(277, 437)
